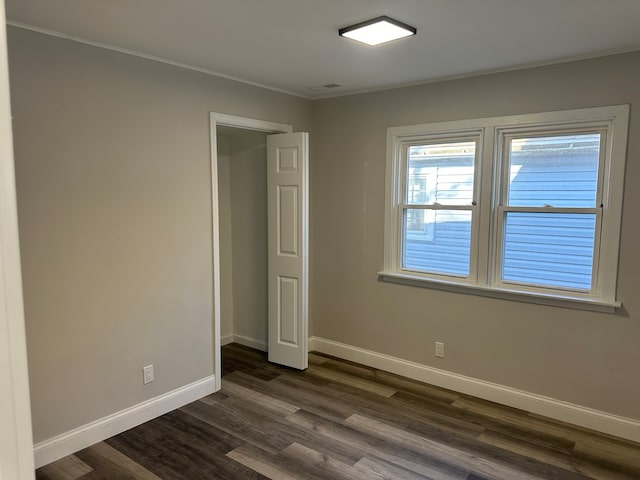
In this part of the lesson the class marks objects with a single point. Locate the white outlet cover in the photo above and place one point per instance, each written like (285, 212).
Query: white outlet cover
(147, 374)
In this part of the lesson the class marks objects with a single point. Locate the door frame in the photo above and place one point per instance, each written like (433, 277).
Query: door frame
(220, 120)
(16, 441)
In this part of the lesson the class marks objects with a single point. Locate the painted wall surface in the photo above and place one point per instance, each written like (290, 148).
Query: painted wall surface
(242, 171)
(586, 358)
(248, 166)
(226, 244)
(114, 204)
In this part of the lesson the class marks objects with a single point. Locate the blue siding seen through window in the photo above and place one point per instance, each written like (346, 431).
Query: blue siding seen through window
(560, 171)
(438, 240)
(448, 252)
(551, 249)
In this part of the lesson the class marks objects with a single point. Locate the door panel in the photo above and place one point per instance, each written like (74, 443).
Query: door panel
(287, 220)
(288, 207)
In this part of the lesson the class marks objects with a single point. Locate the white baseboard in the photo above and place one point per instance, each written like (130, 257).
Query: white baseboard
(99, 430)
(564, 411)
(226, 340)
(250, 342)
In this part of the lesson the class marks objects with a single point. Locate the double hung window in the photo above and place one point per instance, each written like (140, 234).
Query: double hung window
(528, 205)
(437, 223)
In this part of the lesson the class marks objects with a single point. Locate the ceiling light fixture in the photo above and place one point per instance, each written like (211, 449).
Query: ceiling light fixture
(377, 30)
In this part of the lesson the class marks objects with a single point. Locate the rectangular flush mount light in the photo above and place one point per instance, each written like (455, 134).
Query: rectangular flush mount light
(377, 30)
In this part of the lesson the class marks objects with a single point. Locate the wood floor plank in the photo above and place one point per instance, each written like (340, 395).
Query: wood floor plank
(483, 465)
(517, 419)
(358, 442)
(322, 466)
(393, 381)
(213, 398)
(365, 444)
(231, 365)
(351, 380)
(297, 392)
(67, 468)
(387, 409)
(584, 433)
(261, 400)
(444, 416)
(267, 431)
(316, 359)
(108, 462)
(562, 460)
(499, 455)
(110, 454)
(610, 451)
(255, 428)
(374, 467)
(271, 466)
(180, 447)
(347, 398)
(416, 462)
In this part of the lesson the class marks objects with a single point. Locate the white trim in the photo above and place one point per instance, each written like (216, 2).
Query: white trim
(216, 120)
(512, 294)
(153, 58)
(106, 427)
(619, 426)
(251, 342)
(16, 441)
(246, 341)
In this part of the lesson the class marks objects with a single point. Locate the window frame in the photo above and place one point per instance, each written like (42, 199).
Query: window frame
(491, 166)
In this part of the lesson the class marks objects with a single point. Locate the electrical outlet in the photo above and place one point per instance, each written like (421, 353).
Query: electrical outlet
(440, 349)
(147, 374)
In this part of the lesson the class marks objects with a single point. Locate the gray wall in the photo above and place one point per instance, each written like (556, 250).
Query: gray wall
(114, 198)
(226, 243)
(242, 170)
(582, 357)
(248, 165)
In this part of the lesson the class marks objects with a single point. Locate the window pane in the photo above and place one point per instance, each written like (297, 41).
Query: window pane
(549, 249)
(441, 173)
(437, 241)
(561, 171)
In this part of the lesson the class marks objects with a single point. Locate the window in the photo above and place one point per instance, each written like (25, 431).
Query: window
(527, 206)
(443, 206)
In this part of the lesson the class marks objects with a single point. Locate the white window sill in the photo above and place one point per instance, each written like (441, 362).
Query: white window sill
(579, 303)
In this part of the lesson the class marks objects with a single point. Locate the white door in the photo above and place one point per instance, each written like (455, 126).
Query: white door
(288, 238)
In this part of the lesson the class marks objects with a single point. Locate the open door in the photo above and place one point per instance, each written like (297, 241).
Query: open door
(288, 239)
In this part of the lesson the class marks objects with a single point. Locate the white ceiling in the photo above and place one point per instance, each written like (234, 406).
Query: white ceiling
(290, 45)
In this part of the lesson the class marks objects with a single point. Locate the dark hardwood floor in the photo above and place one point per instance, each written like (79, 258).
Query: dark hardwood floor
(339, 420)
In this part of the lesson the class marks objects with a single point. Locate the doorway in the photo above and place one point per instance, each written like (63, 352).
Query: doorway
(240, 304)
(242, 204)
